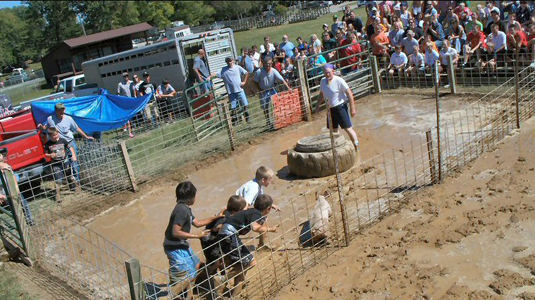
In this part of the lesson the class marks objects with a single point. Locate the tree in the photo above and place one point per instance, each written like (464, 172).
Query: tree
(59, 21)
(156, 13)
(233, 9)
(193, 13)
(12, 37)
(106, 15)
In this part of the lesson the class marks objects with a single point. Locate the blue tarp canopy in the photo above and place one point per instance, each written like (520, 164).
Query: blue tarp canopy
(94, 113)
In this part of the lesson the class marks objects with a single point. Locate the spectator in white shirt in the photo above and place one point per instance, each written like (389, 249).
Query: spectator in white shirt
(447, 52)
(416, 61)
(431, 56)
(263, 48)
(398, 61)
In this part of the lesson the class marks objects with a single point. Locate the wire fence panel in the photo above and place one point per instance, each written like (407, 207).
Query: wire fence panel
(80, 257)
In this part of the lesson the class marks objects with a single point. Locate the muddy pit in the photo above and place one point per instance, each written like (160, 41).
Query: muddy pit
(383, 122)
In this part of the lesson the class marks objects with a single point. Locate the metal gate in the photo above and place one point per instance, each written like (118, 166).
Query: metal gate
(14, 227)
(207, 110)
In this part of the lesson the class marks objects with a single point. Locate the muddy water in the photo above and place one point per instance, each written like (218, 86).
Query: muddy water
(382, 122)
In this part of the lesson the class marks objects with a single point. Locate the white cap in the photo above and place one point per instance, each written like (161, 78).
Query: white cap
(496, 10)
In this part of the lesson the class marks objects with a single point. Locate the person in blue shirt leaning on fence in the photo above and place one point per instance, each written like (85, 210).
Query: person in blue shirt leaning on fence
(232, 77)
(266, 79)
(183, 263)
(201, 70)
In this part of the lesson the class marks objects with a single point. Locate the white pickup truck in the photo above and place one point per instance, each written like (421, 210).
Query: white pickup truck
(74, 86)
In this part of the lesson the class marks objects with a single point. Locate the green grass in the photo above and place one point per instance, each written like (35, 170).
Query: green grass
(35, 66)
(10, 287)
(303, 29)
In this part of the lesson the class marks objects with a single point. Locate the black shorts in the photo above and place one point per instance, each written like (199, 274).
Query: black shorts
(211, 249)
(340, 116)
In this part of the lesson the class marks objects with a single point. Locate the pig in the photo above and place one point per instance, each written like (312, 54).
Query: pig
(315, 230)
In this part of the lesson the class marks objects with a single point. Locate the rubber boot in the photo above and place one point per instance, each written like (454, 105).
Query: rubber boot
(58, 196)
(234, 117)
(246, 113)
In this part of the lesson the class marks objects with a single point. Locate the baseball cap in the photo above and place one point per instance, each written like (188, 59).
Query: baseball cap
(125, 74)
(495, 10)
(397, 7)
(325, 25)
(3, 151)
(60, 106)
(146, 74)
(410, 32)
(228, 59)
(335, 17)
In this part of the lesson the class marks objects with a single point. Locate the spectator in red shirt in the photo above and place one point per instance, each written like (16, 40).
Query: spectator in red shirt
(475, 44)
(351, 62)
(517, 41)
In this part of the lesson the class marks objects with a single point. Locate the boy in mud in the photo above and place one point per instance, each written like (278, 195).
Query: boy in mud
(254, 188)
(183, 263)
(56, 149)
(211, 247)
(237, 258)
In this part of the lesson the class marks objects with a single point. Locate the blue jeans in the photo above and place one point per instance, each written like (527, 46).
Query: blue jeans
(265, 97)
(238, 97)
(25, 206)
(74, 164)
(206, 87)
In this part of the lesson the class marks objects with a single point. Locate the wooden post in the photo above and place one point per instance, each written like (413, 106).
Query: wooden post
(451, 76)
(338, 180)
(135, 282)
(13, 199)
(375, 74)
(230, 128)
(431, 156)
(437, 105)
(303, 82)
(128, 164)
(517, 100)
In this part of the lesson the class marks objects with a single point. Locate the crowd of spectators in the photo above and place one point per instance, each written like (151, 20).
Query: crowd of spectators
(409, 38)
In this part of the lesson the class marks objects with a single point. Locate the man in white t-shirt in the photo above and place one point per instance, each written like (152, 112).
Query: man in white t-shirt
(338, 94)
(497, 46)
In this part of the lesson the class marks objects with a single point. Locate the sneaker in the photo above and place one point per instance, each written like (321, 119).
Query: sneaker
(447, 86)
(131, 135)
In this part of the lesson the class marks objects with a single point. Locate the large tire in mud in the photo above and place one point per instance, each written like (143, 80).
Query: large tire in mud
(321, 163)
(319, 143)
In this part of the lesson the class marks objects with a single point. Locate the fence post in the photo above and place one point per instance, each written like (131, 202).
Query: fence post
(230, 128)
(375, 74)
(431, 156)
(451, 76)
(338, 180)
(128, 164)
(135, 282)
(517, 104)
(13, 199)
(301, 70)
(437, 105)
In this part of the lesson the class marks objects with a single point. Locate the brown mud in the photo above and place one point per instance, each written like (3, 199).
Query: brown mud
(468, 238)
(382, 123)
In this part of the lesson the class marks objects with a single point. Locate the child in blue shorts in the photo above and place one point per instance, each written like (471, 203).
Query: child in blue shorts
(183, 263)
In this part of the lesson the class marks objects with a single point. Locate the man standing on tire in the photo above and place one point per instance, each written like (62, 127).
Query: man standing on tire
(337, 92)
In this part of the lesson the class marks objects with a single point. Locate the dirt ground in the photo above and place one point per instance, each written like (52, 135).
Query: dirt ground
(468, 238)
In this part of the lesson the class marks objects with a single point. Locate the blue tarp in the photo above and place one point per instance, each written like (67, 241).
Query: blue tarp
(95, 113)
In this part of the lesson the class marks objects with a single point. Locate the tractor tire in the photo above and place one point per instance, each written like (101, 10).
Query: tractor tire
(319, 143)
(321, 164)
